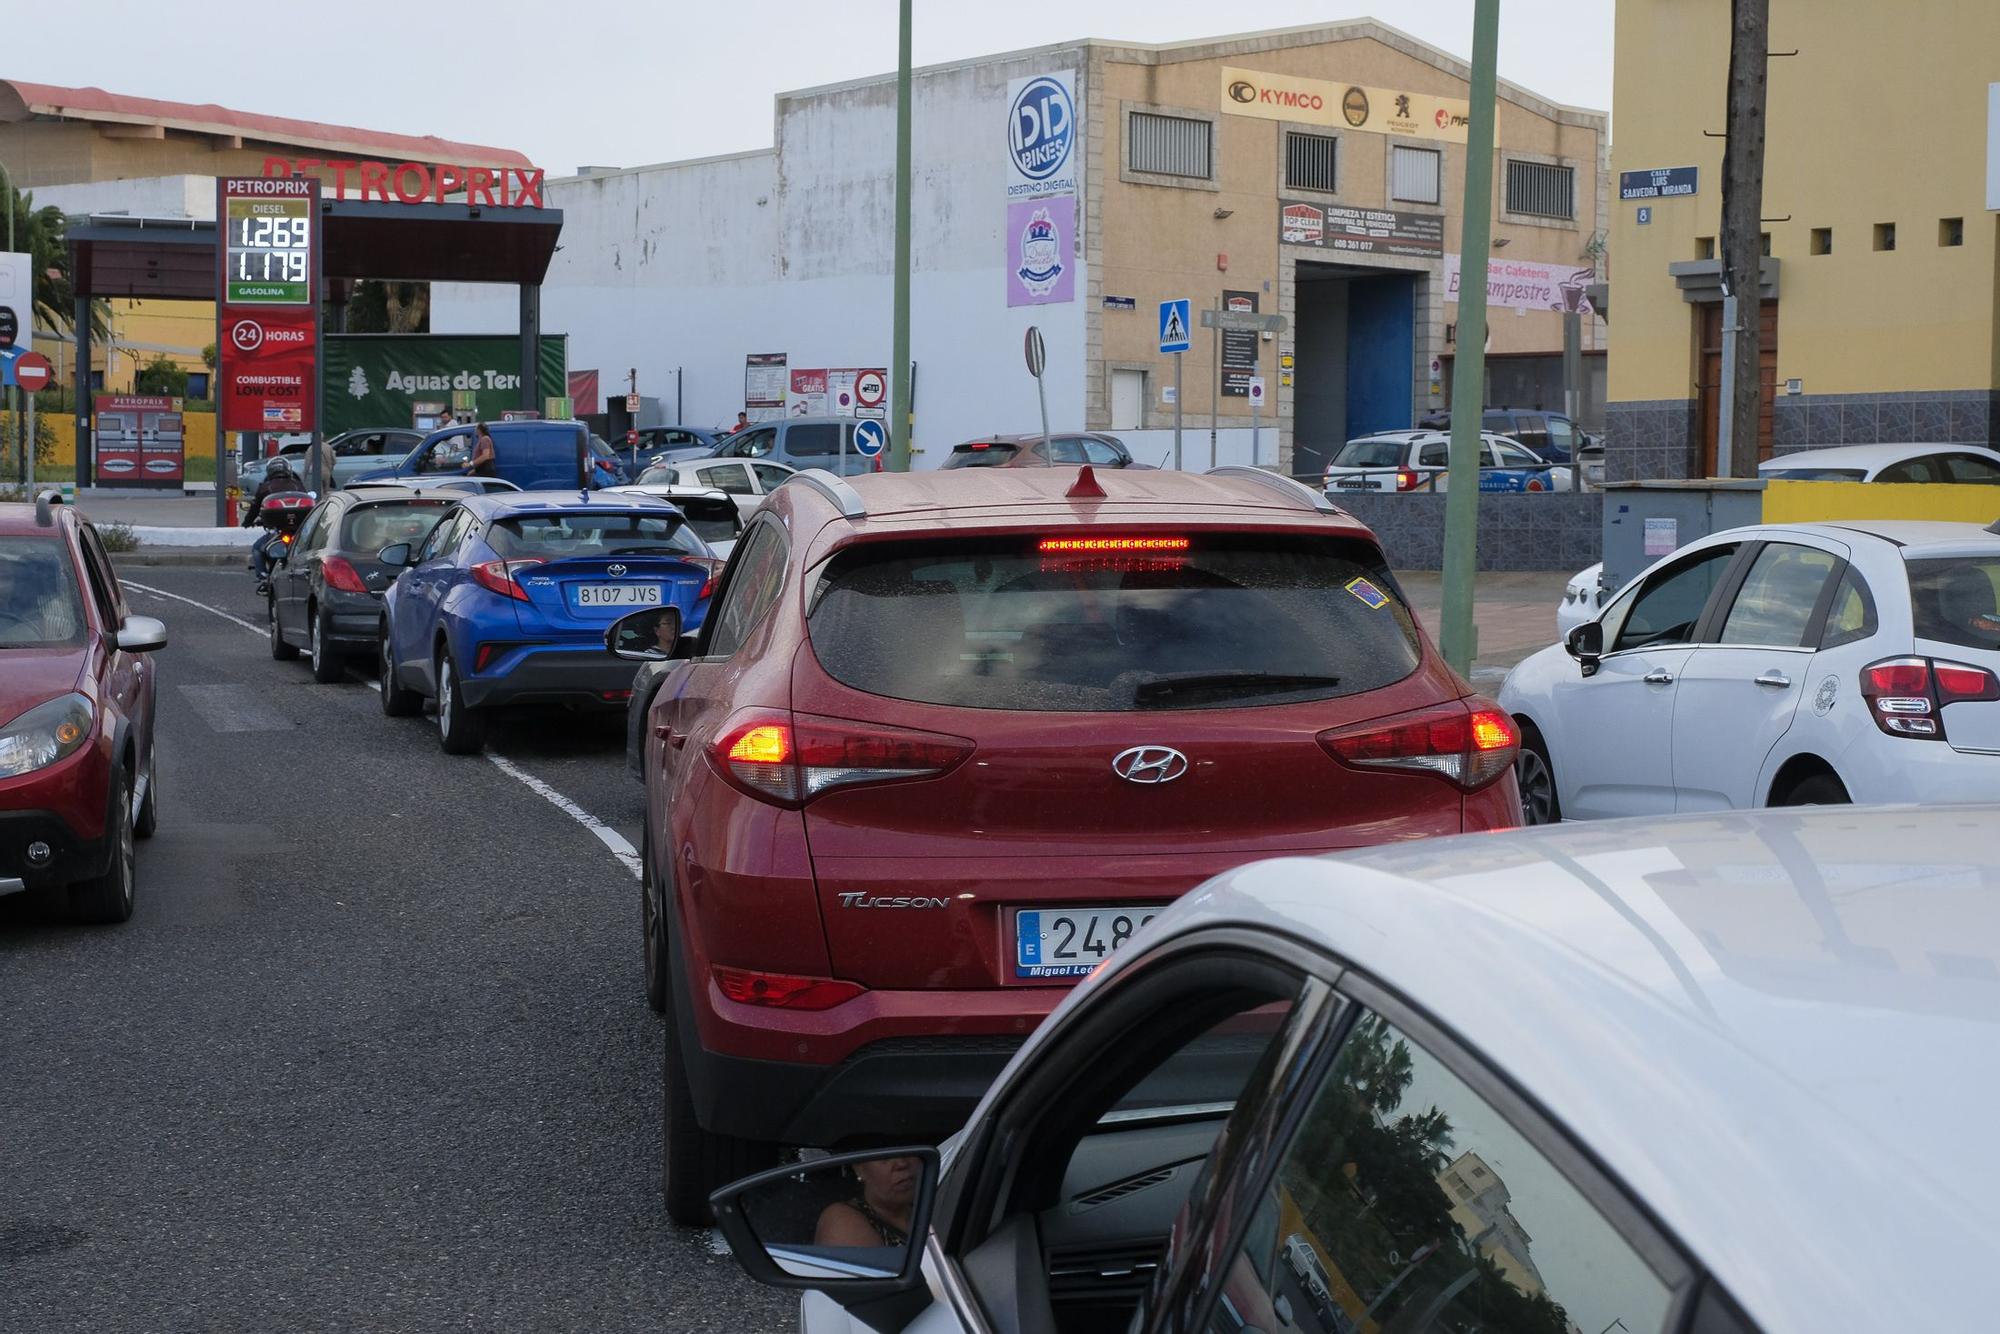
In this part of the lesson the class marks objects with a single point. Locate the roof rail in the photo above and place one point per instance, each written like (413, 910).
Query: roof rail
(1298, 493)
(44, 517)
(844, 497)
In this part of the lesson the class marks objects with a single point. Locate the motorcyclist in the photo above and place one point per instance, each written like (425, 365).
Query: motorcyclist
(278, 477)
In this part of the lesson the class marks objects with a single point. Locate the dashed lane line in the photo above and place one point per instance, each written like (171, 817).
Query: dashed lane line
(619, 846)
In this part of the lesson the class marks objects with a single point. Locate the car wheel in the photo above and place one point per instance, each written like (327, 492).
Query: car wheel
(1818, 790)
(695, 1161)
(147, 822)
(461, 730)
(1537, 777)
(397, 701)
(107, 899)
(280, 650)
(326, 663)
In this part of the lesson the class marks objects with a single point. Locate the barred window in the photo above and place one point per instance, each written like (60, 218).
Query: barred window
(1541, 189)
(1415, 174)
(1311, 161)
(1172, 145)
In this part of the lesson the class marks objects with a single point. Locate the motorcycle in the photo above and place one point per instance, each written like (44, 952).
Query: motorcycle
(281, 516)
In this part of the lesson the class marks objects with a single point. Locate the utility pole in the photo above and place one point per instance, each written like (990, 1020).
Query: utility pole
(899, 358)
(7, 199)
(1742, 239)
(1468, 369)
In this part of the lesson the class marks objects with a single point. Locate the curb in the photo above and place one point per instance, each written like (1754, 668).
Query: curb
(194, 556)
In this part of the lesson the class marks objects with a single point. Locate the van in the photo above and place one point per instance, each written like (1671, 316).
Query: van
(802, 442)
(533, 455)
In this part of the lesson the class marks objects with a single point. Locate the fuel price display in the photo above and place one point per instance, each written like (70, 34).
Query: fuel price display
(267, 252)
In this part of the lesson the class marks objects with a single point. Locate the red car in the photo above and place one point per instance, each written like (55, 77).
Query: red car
(76, 714)
(946, 740)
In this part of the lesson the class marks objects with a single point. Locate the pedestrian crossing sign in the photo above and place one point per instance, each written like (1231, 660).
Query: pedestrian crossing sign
(1174, 325)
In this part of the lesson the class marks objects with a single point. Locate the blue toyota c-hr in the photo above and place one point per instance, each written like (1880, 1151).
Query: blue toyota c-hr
(508, 599)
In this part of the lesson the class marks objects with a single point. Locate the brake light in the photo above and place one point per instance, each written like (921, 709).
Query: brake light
(1906, 696)
(341, 574)
(1469, 743)
(1113, 554)
(1405, 480)
(980, 444)
(784, 991)
(714, 568)
(791, 760)
(498, 576)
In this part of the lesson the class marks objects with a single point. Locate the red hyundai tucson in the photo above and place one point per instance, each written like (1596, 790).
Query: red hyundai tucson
(946, 740)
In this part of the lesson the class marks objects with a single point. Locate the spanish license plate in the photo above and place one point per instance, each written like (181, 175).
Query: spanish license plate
(1069, 942)
(618, 595)
(1354, 483)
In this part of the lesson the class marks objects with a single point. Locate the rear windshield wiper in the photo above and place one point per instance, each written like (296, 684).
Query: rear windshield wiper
(1168, 690)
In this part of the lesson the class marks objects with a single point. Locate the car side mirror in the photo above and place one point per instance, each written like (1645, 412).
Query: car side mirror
(652, 635)
(142, 634)
(851, 1226)
(1586, 644)
(396, 553)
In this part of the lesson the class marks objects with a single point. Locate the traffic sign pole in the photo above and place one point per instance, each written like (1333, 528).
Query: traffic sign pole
(1177, 409)
(1174, 340)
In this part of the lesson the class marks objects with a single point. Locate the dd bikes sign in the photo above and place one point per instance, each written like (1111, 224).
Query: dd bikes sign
(1042, 146)
(267, 318)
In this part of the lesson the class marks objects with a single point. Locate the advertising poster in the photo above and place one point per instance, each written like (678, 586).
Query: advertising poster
(138, 440)
(1526, 285)
(1042, 136)
(1239, 347)
(764, 385)
(808, 396)
(1348, 106)
(17, 299)
(380, 379)
(1041, 265)
(1365, 231)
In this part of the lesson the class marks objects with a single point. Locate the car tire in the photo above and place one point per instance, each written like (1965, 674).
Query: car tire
(280, 650)
(695, 1161)
(147, 822)
(326, 664)
(398, 701)
(1536, 774)
(461, 728)
(1817, 790)
(104, 900)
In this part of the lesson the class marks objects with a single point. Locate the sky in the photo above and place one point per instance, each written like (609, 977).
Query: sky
(622, 83)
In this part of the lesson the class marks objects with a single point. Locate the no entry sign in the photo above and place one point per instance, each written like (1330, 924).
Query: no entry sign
(32, 372)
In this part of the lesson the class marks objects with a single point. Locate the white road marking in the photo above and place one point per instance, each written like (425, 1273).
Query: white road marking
(217, 611)
(609, 837)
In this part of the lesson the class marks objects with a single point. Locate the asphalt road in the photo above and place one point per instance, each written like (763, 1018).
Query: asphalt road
(371, 1054)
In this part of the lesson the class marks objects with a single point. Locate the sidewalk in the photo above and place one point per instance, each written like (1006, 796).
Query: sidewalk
(1515, 615)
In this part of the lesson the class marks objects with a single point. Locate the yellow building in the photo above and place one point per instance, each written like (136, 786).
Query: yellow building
(1879, 287)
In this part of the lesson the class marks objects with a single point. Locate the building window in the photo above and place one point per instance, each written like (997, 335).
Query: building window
(1415, 174)
(1822, 241)
(1172, 145)
(1885, 236)
(1541, 190)
(1951, 231)
(197, 384)
(1704, 247)
(1310, 161)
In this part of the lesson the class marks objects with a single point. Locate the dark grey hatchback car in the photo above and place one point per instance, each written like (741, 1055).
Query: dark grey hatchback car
(326, 596)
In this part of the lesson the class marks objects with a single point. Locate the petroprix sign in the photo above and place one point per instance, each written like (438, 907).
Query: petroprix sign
(267, 320)
(418, 182)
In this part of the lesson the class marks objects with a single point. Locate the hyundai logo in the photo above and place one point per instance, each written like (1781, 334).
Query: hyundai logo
(615, 571)
(1149, 764)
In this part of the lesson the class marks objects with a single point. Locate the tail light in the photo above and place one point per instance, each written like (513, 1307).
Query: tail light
(498, 576)
(1469, 742)
(1906, 696)
(341, 574)
(714, 568)
(1406, 480)
(784, 991)
(790, 759)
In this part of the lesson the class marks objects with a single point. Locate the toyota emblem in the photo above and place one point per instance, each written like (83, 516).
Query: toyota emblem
(615, 571)
(1149, 764)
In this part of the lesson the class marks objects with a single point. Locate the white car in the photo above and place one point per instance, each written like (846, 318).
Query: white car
(1583, 599)
(746, 481)
(714, 515)
(1886, 463)
(1775, 665)
(1418, 460)
(1729, 1074)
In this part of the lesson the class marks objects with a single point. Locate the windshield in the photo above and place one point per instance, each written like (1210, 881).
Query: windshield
(1209, 620)
(1369, 454)
(561, 536)
(1956, 600)
(40, 603)
(369, 528)
(1814, 474)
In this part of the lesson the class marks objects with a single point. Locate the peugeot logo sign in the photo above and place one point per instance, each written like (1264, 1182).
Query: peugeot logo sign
(615, 571)
(1149, 764)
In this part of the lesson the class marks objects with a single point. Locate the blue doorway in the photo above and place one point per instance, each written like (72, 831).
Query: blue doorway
(1381, 353)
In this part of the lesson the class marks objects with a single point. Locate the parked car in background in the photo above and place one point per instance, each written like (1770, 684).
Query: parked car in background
(712, 513)
(355, 453)
(1575, 1079)
(1775, 665)
(1222, 661)
(1418, 460)
(533, 455)
(507, 600)
(1583, 599)
(664, 444)
(78, 780)
(802, 442)
(1886, 463)
(1552, 437)
(745, 481)
(326, 593)
(1097, 448)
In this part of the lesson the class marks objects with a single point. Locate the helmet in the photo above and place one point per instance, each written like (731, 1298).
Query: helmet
(279, 466)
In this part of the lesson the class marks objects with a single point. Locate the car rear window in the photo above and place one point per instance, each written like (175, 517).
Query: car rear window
(993, 455)
(1149, 621)
(1369, 454)
(1813, 474)
(560, 536)
(369, 528)
(1956, 600)
(713, 518)
(40, 604)
(812, 441)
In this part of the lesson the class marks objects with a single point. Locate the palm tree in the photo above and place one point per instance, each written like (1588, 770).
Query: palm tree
(39, 234)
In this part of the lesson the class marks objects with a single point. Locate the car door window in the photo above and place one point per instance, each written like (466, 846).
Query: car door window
(444, 537)
(1102, 455)
(755, 577)
(104, 589)
(1779, 596)
(1850, 617)
(1562, 435)
(1065, 449)
(1406, 1201)
(731, 477)
(1970, 468)
(1909, 470)
(1513, 456)
(770, 476)
(450, 454)
(807, 440)
(1435, 455)
(1668, 608)
(752, 444)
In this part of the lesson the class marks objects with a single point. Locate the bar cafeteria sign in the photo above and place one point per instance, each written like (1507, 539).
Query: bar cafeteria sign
(267, 315)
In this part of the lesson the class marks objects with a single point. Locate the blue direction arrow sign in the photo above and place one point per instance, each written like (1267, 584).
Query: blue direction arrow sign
(1174, 325)
(870, 437)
